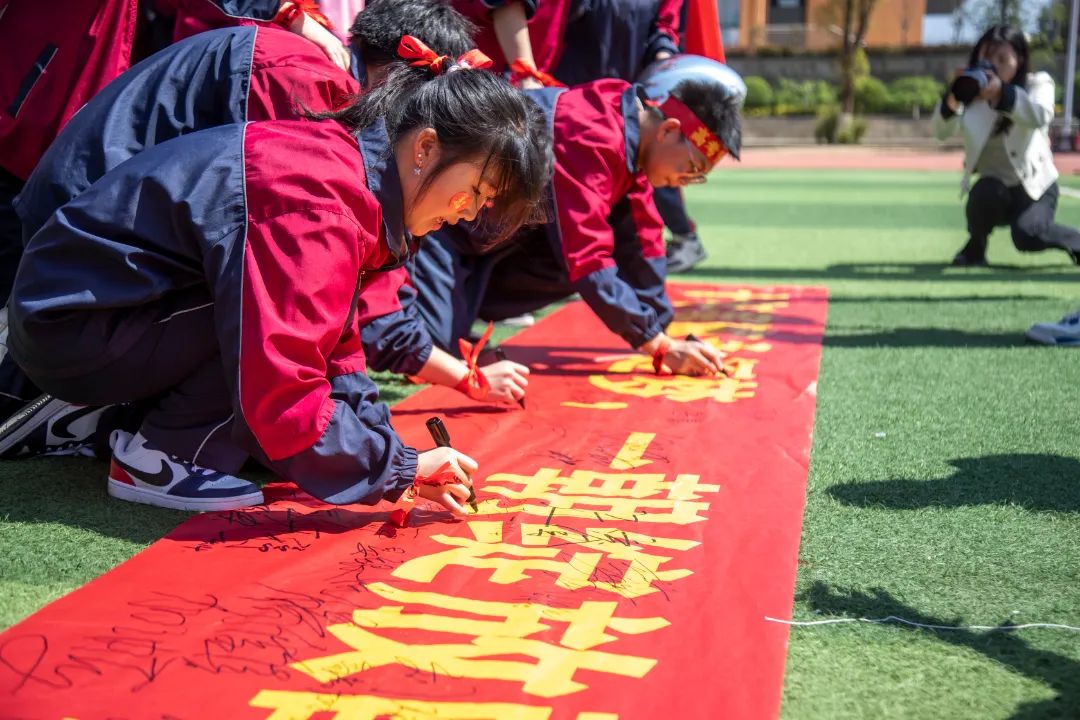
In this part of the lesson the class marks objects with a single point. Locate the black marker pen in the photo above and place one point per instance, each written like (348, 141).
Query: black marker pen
(442, 439)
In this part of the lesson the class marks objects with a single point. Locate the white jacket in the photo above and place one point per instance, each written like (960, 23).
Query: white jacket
(1027, 142)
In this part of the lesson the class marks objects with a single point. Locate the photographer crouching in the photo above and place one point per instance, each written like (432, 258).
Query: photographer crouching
(1005, 112)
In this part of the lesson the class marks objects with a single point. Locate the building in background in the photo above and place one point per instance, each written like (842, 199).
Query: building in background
(949, 22)
(815, 24)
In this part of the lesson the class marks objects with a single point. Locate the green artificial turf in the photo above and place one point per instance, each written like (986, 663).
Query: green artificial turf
(944, 484)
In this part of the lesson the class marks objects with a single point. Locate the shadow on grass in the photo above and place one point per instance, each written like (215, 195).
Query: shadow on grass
(1044, 483)
(1010, 649)
(927, 337)
(833, 299)
(72, 492)
(904, 337)
(1056, 272)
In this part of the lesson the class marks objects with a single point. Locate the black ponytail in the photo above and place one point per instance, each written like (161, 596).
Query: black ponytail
(377, 29)
(477, 116)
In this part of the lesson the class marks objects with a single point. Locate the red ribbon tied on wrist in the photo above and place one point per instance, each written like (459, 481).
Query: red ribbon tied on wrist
(416, 50)
(658, 357)
(291, 9)
(475, 384)
(521, 69)
(443, 475)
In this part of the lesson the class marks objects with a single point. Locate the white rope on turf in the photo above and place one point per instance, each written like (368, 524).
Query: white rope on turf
(895, 619)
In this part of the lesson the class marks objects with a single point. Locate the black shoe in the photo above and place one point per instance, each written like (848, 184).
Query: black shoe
(684, 252)
(962, 259)
(48, 426)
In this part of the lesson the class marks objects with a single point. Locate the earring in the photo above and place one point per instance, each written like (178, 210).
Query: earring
(416, 170)
(419, 159)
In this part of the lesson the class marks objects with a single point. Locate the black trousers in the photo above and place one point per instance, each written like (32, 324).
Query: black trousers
(10, 233)
(173, 377)
(991, 204)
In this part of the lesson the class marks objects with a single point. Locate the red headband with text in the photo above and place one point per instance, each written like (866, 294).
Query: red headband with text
(695, 130)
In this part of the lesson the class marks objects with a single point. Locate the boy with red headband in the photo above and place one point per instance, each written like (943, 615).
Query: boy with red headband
(613, 143)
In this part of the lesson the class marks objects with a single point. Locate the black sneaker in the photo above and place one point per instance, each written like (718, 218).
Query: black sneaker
(962, 259)
(48, 426)
(684, 252)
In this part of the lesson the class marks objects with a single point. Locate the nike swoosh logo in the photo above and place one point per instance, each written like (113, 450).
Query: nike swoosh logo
(161, 478)
(62, 427)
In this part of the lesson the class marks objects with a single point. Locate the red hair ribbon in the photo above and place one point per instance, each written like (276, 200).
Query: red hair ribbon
(473, 60)
(695, 130)
(290, 10)
(522, 68)
(475, 384)
(416, 50)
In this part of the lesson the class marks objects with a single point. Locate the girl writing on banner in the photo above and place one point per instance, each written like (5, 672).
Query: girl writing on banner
(217, 274)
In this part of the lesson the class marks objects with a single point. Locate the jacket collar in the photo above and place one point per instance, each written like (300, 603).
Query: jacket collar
(385, 184)
(631, 127)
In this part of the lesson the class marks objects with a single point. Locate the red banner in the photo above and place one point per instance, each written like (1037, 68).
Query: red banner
(633, 532)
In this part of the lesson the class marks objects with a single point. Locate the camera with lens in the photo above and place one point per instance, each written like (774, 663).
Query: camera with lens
(971, 82)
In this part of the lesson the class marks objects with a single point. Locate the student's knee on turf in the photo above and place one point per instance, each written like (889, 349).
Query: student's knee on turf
(1028, 234)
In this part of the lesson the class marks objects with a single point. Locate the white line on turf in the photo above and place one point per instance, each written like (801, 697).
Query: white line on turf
(902, 621)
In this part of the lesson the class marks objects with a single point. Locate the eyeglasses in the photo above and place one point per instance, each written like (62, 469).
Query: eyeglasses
(698, 172)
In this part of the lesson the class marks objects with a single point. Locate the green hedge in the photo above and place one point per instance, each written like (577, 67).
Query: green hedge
(759, 93)
(807, 97)
(827, 129)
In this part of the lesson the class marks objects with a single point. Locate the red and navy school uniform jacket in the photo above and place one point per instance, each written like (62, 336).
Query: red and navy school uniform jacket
(399, 331)
(215, 78)
(57, 55)
(195, 16)
(547, 24)
(606, 232)
(606, 240)
(191, 17)
(617, 38)
(279, 220)
(394, 338)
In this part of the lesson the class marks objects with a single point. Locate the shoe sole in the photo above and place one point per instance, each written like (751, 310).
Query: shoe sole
(521, 321)
(676, 268)
(30, 418)
(1051, 340)
(123, 491)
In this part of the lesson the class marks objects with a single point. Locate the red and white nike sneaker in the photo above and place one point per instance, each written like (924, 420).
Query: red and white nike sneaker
(140, 472)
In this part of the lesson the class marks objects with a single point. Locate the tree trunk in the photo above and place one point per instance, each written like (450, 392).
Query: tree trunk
(847, 83)
(856, 19)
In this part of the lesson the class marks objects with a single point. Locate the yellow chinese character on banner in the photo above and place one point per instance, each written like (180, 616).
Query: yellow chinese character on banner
(544, 496)
(601, 485)
(635, 377)
(290, 705)
(735, 296)
(632, 576)
(549, 673)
